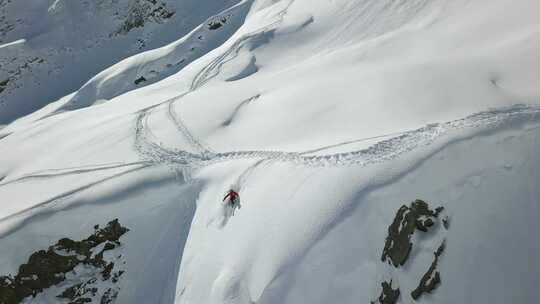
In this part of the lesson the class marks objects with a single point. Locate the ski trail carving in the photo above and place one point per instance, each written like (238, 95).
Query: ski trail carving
(210, 71)
(363, 157)
(181, 126)
(70, 171)
(20, 216)
(155, 152)
(214, 67)
(382, 151)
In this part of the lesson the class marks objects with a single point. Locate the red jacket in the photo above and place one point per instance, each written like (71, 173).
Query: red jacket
(232, 195)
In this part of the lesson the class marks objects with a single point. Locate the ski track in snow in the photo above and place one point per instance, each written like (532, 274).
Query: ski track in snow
(70, 171)
(382, 151)
(207, 73)
(214, 67)
(154, 153)
(210, 71)
(21, 216)
(198, 154)
(181, 126)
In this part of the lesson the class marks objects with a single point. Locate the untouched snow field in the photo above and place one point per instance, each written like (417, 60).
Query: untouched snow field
(326, 116)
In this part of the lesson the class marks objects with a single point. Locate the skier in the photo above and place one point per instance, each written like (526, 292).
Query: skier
(234, 200)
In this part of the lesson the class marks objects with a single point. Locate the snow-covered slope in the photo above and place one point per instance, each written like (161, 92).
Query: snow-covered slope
(330, 118)
(50, 48)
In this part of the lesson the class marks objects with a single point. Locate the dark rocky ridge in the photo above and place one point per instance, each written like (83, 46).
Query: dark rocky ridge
(398, 245)
(407, 220)
(14, 69)
(388, 295)
(5, 25)
(432, 278)
(143, 11)
(46, 268)
(215, 24)
(139, 80)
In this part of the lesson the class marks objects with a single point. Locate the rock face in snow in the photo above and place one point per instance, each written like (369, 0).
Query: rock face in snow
(408, 219)
(397, 248)
(343, 125)
(388, 294)
(92, 262)
(141, 12)
(432, 278)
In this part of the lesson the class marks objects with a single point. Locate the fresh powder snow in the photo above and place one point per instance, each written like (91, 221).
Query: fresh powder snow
(384, 151)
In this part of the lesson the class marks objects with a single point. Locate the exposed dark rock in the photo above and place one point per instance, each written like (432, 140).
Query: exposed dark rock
(143, 11)
(141, 43)
(3, 84)
(215, 24)
(388, 295)
(139, 80)
(116, 276)
(106, 273)
(408, 219)
(109, 296)
(8, 294)
(6, 25)
(16, 67)
(424, 225)
(432, 278)
(79, 293)
(46, 268)
(446, 222)
(70, 292)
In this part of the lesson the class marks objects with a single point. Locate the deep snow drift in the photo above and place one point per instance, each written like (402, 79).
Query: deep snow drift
(329, 117)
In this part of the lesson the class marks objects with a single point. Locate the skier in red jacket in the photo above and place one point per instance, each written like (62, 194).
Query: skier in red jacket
(234, 199)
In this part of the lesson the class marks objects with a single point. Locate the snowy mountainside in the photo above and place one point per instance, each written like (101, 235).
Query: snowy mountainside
(385, 151)
(50, 48)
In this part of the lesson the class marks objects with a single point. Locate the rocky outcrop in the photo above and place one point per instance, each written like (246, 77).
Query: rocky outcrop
(217, 23)
(3, 84)
(15, 69)
(398, 244)
(432, 278)
(41, 68)
(47, 268)
(388, 295)
(6, 25)
(139, 80)
(143, 11)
